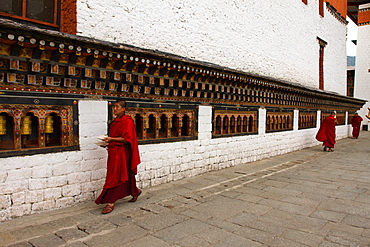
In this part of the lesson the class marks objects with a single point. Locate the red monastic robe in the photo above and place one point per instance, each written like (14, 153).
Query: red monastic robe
(123, 160)
(117, 172)
(356, 124)
(326, 133)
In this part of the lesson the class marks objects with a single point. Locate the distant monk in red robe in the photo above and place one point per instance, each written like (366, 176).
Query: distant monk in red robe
(326, 133)
(123, 159)
(356, 124)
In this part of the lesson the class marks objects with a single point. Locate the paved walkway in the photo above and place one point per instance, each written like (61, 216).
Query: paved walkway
(304, 198)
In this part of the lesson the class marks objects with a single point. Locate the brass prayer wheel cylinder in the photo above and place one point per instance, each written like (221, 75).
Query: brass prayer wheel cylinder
(2, 125)
(26, 125)
(170, 124)
(147, 122)
(49, 125)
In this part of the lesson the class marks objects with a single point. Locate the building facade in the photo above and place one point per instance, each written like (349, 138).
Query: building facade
(362, 75)
(209, 85)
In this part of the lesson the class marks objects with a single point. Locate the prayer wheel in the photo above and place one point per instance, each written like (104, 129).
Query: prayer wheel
(2, 125)
(170, 124)
(26, 125)
(49, 125)
(180, 122)
(147, 122)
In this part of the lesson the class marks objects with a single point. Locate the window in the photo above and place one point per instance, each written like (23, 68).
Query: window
(60, 15)
(321, 67)
(40, 11)
(350, 82)
(321, 8)
(321, 63)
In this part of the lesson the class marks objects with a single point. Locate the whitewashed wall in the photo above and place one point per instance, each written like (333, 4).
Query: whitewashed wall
(42, 182)
(362, 75)
(271, 38)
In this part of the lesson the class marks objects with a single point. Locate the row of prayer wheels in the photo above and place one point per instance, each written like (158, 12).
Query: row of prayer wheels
(26, 125)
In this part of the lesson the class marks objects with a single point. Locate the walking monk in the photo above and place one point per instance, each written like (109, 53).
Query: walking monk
(326, 133)
(123, 159)
(356, 124)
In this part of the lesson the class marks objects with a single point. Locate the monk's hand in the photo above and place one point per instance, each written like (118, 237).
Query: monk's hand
(107, 139)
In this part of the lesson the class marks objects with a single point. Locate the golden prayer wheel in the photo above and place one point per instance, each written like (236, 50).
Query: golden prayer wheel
(170, 124)
(2, 125)
(26, 125)
(49, 125)
(147, 122)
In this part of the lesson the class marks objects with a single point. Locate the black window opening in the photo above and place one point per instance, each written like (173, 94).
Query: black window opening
(39, 11)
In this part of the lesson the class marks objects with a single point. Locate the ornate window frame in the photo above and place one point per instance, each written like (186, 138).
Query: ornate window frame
(63, 17)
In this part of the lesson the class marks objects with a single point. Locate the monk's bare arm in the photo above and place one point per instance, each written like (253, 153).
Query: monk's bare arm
(115, 139)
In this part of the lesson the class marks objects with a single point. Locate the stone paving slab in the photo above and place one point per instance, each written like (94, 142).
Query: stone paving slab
(304, 198)
(47, 240)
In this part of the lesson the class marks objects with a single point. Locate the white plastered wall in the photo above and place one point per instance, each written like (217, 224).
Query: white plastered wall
(271, 38)
(362, 74)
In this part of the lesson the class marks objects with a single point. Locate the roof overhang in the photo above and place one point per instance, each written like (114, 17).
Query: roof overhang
(352, 9)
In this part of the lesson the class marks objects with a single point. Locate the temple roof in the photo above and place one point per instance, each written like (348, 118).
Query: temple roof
(352, 9)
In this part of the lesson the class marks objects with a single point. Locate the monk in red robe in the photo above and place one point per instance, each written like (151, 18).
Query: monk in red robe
(123, 159)
(326, 133)
(356, 124)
